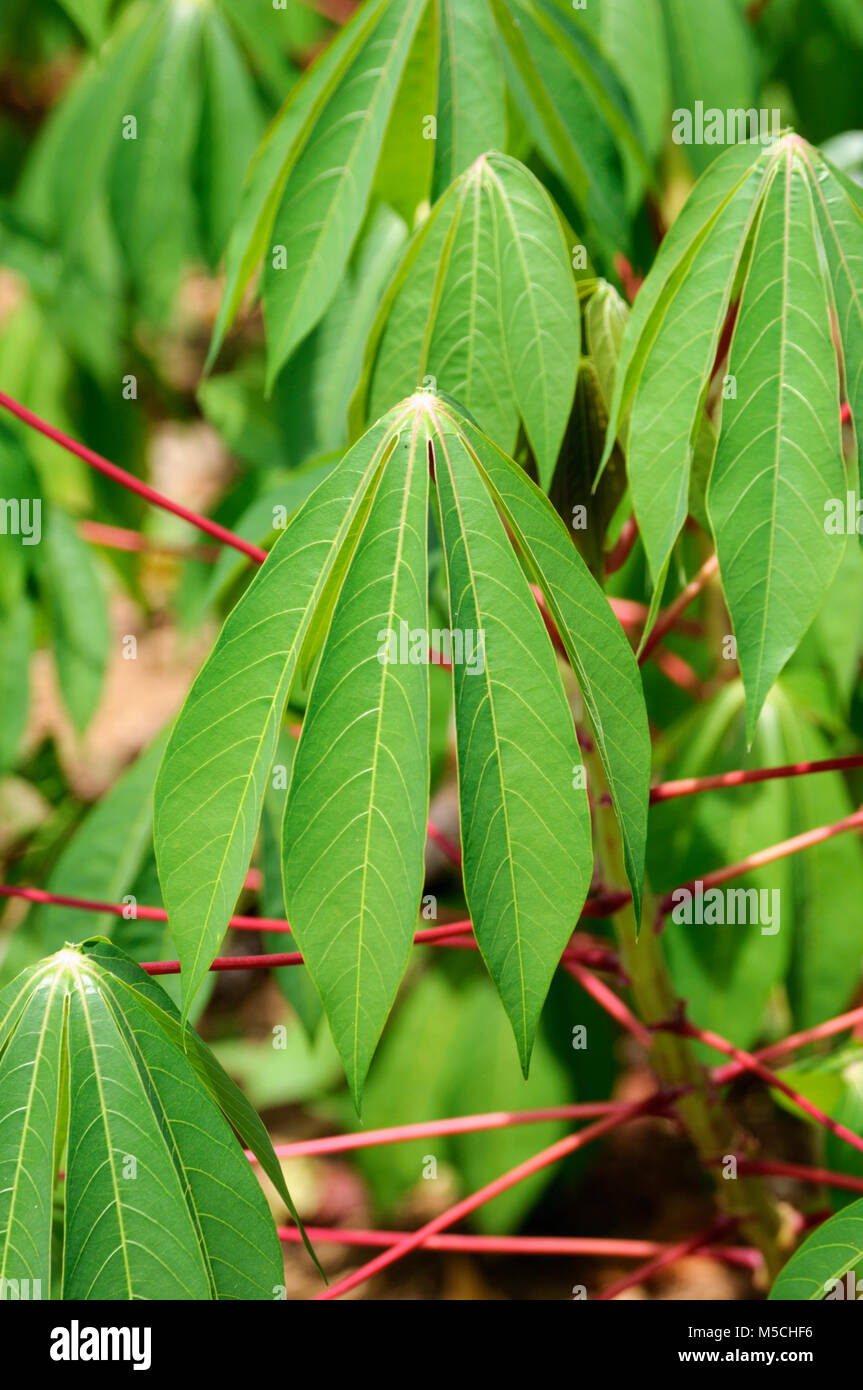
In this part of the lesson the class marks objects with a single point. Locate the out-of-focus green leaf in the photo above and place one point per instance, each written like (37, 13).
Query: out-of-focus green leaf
(80, 627)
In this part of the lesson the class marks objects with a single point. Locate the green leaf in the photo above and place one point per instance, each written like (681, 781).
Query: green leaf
(525, 828)
(633, 36)
(230, 125)
(595, 644)
(483, 1076)
(404, 170)
(219, 1086)
(707, 200)
(80, 627)
(841, 224)
(326, 193)
(160, 1200)
(574, 107)
(211, 783)
(91, 17)
(355, 821)
(232, 1221)
(277, 156)
(150, 174)
(16, 646)
(30, 1069)
(779, 457)
(673, 360)
(126, 1237)
(101, 860)
(726, 971)
(485, 305)
(826, 881)
(410, 1080)
(472, 95)
(712, 61)
(825, 1257)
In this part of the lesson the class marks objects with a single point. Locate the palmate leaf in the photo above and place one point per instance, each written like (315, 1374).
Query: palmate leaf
(756, 225)
(352, 606)
(160, 1200)
(173, 187)
(485, 304)
(825, 1257)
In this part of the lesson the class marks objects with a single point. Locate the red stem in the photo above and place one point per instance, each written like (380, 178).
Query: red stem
(127, 480)
(668, 618)
(610, 1002)
(433, 1129)
(669, 1255)
(693, 786)
(552, 1154)
(766, 856)
(622, 549)
(739, 1255)
(752, 1064)
(120, 538)
(769, 1168)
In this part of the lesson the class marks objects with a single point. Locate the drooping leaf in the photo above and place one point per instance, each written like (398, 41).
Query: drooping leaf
(211, 783)
(673, 360)
(355, 821)
(276, 158)
(840, 219)
(524, 825)
(632, 34)
(231, 122)
(779, 456)
(594, 641)
(403, 176)
(573, 106)
(712, 61)
(218, 1085)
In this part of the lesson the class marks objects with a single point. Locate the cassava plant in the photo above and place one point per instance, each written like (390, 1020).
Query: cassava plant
(527, 706)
